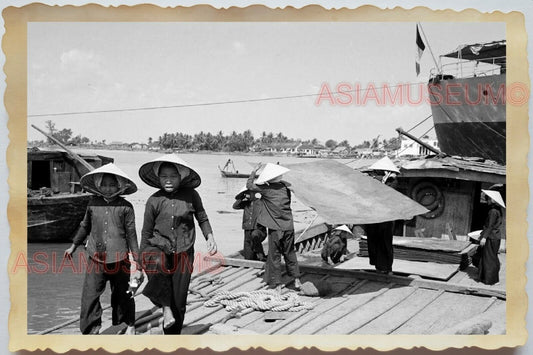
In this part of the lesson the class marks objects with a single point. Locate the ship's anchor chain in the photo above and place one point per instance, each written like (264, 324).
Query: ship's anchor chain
(261, 300)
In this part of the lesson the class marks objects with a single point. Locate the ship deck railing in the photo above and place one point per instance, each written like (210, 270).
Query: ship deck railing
(461, 68)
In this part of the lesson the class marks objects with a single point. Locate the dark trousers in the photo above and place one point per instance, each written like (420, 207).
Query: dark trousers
(380, 250)
(123, 306)
(280, 243)
(168, 281)
(489, 264)
(252, 248)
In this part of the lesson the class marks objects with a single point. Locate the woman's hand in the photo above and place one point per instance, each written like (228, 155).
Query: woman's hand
(68, 253)
(256, 169)
(482, 241)
(211, 245)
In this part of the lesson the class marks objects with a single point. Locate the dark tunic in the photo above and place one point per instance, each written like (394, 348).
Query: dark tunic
(274, 205)
(276, 215)
(254, 234)
(167, 248)
(489, 264)
(109, 228)
(380, 250)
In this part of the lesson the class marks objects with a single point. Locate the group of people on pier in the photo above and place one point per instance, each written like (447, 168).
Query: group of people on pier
(166, 250)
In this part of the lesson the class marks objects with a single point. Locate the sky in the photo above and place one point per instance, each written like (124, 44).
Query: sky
(114, 67)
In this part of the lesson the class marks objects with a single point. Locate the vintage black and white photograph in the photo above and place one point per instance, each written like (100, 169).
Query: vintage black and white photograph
(267, 178)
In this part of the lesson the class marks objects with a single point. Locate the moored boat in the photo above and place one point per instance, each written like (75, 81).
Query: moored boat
(468, 101)
(232, 174)
(229, 171)
(56, 204)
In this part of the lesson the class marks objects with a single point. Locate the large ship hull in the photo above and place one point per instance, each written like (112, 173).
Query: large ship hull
(469, 116)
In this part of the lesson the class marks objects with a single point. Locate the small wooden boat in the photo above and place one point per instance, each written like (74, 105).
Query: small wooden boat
(56, 204)
(233, 174)
(229, 171)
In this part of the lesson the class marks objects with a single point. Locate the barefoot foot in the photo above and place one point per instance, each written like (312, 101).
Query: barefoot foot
(130, 330)
(168, 318)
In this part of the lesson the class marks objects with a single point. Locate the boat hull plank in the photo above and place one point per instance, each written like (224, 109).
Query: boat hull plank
(55, 219)
(469, 116)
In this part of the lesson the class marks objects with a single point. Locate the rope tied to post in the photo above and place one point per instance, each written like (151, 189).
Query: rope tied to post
(261, 300)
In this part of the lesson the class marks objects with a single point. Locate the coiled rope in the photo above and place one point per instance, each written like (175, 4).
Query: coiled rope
(261, 300)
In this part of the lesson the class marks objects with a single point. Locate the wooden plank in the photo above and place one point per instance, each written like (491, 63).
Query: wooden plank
(432, 244)
(426, 269)
(448, 311)
(325, 307)
(397, 316)
(201, 312)
(214, 315)
(401, 280)
(352, 301)
(368, 313)
(330, 322)
(306, 315)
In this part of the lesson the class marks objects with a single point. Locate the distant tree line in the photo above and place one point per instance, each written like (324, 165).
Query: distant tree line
(233, 142)
(65, 135)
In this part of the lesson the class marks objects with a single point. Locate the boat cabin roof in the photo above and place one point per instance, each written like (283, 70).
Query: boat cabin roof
(50, 154)
(491, 53)
(472, 169)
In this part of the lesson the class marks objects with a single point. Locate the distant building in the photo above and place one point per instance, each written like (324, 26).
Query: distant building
(307, 149)
(409, 147)
(138, 146)
(286, 147)
(340, 151)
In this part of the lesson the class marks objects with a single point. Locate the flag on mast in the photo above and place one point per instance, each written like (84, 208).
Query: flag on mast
(420, 50)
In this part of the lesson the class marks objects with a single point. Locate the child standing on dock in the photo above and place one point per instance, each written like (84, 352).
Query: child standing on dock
(254, 233)
(276, 215)
(168, 235)
(109, 227)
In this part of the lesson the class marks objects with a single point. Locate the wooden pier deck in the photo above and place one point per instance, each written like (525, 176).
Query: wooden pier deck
(359, 302)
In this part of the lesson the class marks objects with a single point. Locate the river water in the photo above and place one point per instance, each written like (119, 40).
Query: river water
(54, 292)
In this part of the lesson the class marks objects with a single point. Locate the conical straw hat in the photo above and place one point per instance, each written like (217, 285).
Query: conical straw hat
(495, 196)
(269, 172)
(344, 228)
(384, 164)
(92, 180)
(149, 171)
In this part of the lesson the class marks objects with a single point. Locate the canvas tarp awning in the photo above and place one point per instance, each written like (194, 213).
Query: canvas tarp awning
(492, 53)
(341, 195)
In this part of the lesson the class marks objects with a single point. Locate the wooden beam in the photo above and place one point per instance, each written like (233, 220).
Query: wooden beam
(400, 280)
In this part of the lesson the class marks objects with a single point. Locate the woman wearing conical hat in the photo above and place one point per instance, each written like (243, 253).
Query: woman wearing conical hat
(168, 235)
(380, 235)
(109, 227)
(490, 239)
(276, 215)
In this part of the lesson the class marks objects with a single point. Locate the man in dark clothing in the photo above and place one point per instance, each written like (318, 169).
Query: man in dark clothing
(276, 215)
(254, 233)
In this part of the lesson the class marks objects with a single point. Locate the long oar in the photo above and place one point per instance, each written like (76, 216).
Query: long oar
(69, 152)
